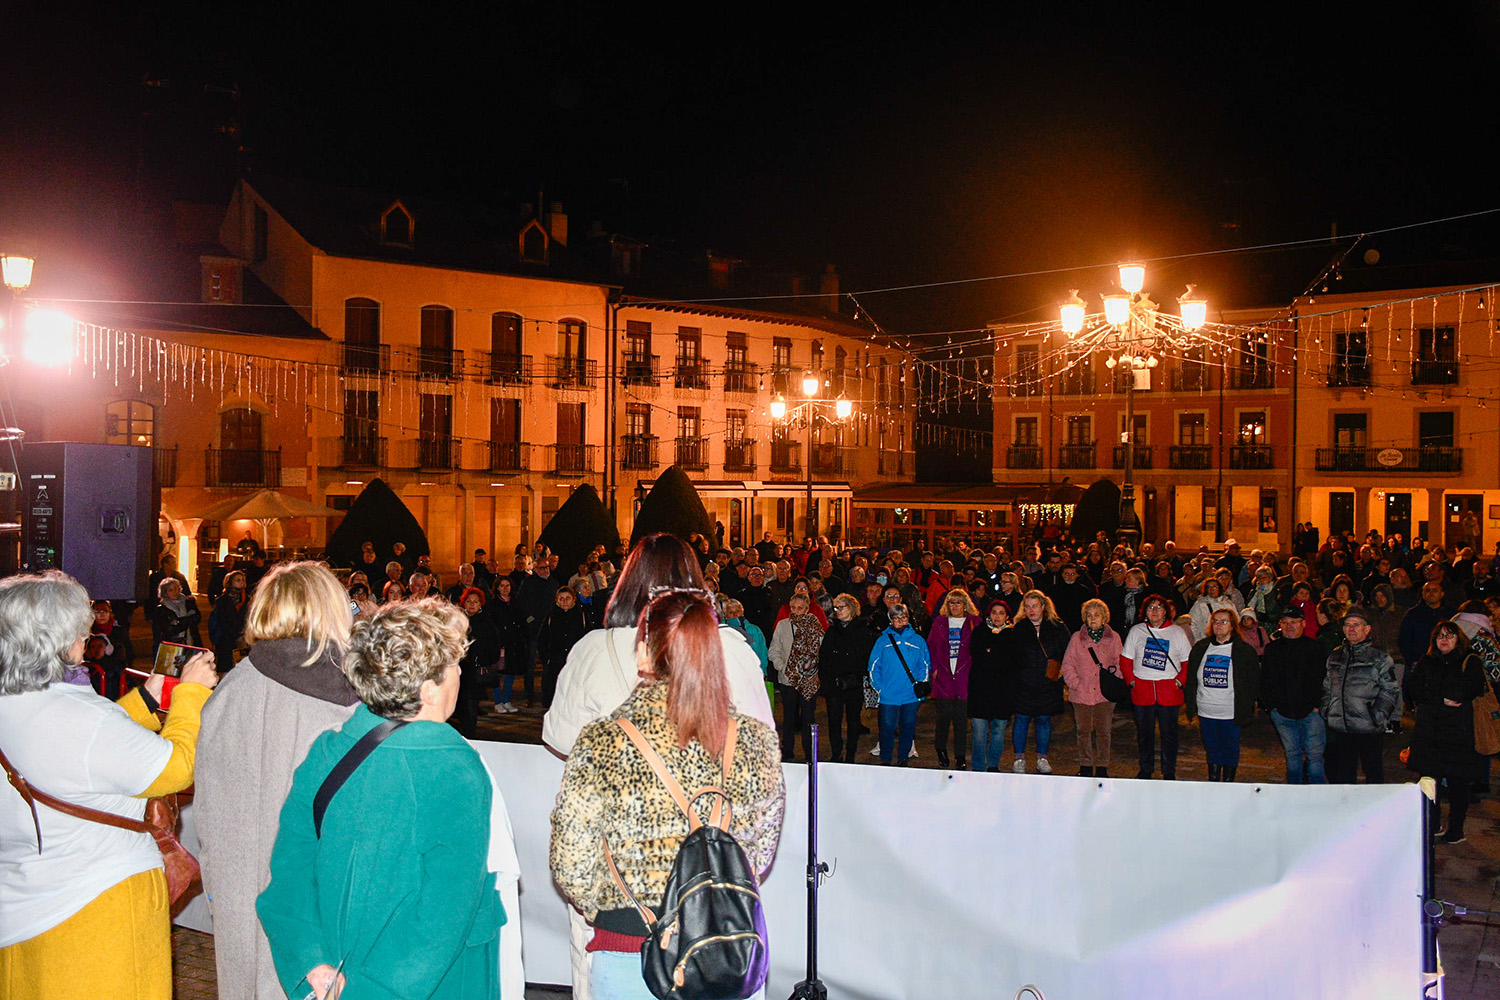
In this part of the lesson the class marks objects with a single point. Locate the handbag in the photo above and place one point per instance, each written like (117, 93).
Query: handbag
(1054, 667)
(1111, 684)
(1487, 721)
(160, 821)
(919, 688)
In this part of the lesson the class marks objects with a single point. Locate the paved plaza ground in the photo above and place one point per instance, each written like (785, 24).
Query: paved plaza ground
(1467, 874)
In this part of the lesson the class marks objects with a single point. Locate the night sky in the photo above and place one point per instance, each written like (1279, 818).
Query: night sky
(951, 142)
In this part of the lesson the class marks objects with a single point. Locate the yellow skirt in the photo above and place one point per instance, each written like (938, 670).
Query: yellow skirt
(118, 946)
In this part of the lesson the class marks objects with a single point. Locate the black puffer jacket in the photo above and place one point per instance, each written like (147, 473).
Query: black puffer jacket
(1029, 650)
(1443, 743)
(1291, 679)
(845, 653)
(991, 682)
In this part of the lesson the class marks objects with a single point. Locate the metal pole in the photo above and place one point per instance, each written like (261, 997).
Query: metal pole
(1128, 533)
(812, 522)
(811, 988)
(1220, 505)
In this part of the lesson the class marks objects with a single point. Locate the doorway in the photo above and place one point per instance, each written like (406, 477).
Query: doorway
(1398, 515)
(1462, 524)
(1340, 513)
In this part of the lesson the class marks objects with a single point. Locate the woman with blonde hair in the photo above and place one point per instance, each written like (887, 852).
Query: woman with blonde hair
(1094, 647)
(948, 645)
(616, 829)
(287, 691)
(1038, 641)
(83, 903)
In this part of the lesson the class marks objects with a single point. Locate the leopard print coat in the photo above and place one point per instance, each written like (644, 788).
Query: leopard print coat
(608, 790)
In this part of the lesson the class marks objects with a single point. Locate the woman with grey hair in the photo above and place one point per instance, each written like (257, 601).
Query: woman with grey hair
(176, 616)
(83, 905)
(382, 881)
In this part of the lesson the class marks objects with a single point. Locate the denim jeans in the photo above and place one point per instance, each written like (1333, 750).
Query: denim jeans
(502, 693)
(989, 743)
(1149, 718)
(1221, 741)
(1303, 738)
(894, 718)
(1043, 733)
(616, 975)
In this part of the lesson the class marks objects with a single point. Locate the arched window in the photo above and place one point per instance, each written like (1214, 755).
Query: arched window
(129, 421)
(362, 335)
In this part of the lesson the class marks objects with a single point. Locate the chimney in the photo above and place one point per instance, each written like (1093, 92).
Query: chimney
(799, 285)
(557, 224)
(828, 289)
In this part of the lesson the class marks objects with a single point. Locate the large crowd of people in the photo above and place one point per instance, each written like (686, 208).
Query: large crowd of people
(677, 651)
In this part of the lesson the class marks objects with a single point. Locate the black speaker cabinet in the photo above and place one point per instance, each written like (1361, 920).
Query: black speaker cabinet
(87, 510)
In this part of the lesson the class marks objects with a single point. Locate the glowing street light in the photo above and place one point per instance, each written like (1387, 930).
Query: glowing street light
(16, 270)
(1073, 313)
(842, 407)
(778, 407)
(1194, 310)
(49, 338)
(810, 383)
(1132, 278)
(1117, 309)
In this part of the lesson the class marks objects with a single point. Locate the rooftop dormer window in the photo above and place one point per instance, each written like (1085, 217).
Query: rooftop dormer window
(396, 225)
(534, 241)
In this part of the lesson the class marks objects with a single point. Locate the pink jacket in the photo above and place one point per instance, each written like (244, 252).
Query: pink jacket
(1080, 672)
(947, 682)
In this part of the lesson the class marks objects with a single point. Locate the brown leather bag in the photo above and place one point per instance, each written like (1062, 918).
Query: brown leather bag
(161, 822)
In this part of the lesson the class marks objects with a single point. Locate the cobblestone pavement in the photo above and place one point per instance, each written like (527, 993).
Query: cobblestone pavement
(1468, 874)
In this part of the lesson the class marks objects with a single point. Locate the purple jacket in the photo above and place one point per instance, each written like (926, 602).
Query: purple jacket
(947, 682)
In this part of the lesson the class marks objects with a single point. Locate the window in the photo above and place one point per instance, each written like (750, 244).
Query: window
(1026, 431)
(1351, 359)
(436, 356)
(737, 364)
(737, 350)
(362, 335)
(638, 353)
(396, 226)
(638, 419)
(1435, 429)
(816, 364)
(505, 335)
(839, 357)
(361, 415)
(1252, 429)
(1350, 430)
(435, 445)
(942, 518)
(688, 422)
(1028, 375)
(505, 420)
(1080, 430)
(572, 339)
(1192, 428)
(1437, 357)
(1268, 512)
(1210, 518)
(781, 365)
(735, 422)
(129, 421)
(689, 345)
(1139, 438)
(533, 243)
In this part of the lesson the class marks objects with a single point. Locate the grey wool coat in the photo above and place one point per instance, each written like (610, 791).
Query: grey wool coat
(257, 728)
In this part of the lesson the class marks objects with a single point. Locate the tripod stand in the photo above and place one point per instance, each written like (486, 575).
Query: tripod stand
(812, 987)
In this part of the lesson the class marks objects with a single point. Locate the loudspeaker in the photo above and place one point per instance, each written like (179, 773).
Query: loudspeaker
(87, 510)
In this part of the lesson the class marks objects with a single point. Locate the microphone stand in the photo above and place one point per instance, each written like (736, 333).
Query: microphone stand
(812, 987)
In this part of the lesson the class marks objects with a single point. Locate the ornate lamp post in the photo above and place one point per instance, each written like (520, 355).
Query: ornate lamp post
(807, 410)
(1134, 333)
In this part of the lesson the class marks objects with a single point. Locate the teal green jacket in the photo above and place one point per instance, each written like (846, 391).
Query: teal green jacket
(399, 886)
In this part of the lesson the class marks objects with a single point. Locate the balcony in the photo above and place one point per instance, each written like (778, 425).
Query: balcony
(358, 451)
(1190, 456)
(641, 369)
(1434, 373)
(1252, 377)
(164, 466)
(509, 456)
(1251, 456)
(739, 456)
(690, 375)
(741, 376)
(1076, 382)
(573, 459)
(786, 456)
(571, 373)
(1189, 378)
(831, 460)
(1423, 459)
(438, 452)
(1023, 456)
(505, 369)
(366, 359)
(1140, 460)
(638, 451)
(692, 452)
(1076, 456)
(1348, 372)
(438, 363)
(242, 467)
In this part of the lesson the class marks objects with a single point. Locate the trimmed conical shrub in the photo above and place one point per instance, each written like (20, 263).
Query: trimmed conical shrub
(377, 516)
(581, 523)
(673, 506)
(1097, 510)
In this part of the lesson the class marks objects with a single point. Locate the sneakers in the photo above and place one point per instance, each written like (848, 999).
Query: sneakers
(1042, 766)
(1451, 837)
(1019, 766)
(506, 708)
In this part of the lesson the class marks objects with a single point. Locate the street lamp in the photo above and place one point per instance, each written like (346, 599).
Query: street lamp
(780, 410)
(16, 270)
(1132, 332)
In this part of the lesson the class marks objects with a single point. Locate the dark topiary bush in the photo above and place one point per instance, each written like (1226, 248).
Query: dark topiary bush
(579, 524)
(377, 516)
(1098, 510)
(673, 506)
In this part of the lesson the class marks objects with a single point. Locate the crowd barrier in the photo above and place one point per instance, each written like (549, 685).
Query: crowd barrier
(956, 885)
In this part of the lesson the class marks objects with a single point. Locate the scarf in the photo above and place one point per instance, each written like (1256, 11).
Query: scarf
(801, 668)
(1096, 636)
(281, 660)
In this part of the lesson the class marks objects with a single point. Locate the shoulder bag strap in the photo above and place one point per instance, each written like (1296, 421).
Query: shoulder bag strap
(722, 806)
(33, 795)
(347, 766)
(900, 656)
(1096, 658)
(614, 658)
(660, 767)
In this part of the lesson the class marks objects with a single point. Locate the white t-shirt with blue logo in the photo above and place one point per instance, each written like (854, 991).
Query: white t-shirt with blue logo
(955, 641)
(1216, 683)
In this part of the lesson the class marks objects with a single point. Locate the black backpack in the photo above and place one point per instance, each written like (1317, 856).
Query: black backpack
(710, 940)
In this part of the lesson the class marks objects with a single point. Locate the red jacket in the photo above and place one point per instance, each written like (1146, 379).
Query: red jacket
(1144, 691)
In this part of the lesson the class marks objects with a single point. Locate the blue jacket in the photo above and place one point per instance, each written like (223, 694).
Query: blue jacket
(887, 675)
(753, 635)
